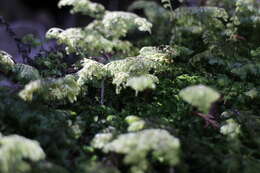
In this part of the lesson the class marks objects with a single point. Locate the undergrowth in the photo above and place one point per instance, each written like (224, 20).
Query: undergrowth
(183, 96)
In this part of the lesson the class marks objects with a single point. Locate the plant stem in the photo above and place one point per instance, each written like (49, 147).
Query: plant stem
(102, 92)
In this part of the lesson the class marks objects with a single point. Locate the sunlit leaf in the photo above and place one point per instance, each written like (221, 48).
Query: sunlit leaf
(200, 96)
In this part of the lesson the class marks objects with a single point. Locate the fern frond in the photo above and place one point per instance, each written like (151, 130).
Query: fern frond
(143, 82)
(71, 37)
(119, 23)
(152, 10)
(52, 89)
(85, 7)
(157, 142)
(120, 80)
(25, 73)
(14, 150)
(91, 70)
(162, 55)
(132, 65)
(123, 70)
(87, 41)
(201, 13)
(6, 62)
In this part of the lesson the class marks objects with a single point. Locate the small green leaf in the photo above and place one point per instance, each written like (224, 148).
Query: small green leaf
(200, 96)
(136, 126)
(132, 118)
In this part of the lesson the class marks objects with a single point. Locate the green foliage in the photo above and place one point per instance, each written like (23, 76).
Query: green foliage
(52, 65)
(26, 73)
(78, 110)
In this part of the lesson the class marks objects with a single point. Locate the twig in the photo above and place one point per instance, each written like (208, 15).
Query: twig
(209, 119)
(102, 93)
(23, 49)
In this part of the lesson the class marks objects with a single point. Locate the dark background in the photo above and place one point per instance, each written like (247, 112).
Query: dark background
(37, 16)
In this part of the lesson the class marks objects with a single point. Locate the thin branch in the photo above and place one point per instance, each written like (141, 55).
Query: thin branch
(102, 92)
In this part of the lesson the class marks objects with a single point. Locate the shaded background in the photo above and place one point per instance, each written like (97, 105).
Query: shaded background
(37, 16)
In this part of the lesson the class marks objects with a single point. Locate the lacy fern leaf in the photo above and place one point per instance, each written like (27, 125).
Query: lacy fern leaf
(14, 150)
(85, 7)
(6, 62)
(91, 70)
(52, 89)
(163, 146)
(26, 73)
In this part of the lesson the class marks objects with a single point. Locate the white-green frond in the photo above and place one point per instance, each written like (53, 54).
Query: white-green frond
(119, 23)
(26, 73)
(137, 145)
(13, 152)
(91, 70)
(89, 40)
(143, 82)
(200, 96)
(231, 129)
(85, 7)
(132, 71)
(72, 38)
(152, 10)
(101, 140)
(120, 79)
(162, 55)
(132, 65)
(6, 62)
(52, 89)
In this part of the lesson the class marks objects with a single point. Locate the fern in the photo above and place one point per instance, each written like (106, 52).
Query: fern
(6, 62)
(155, 141)
(91, 70)
(26, 73)
(52, 89)
(85, 7)
(120, 22)
(124, 70)
(14, 150)
(100, 36)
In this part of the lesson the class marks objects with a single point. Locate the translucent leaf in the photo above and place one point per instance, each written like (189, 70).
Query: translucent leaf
(200, 96)
(143, 82)
(136, 126)
(132, 118)
(253, 93)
